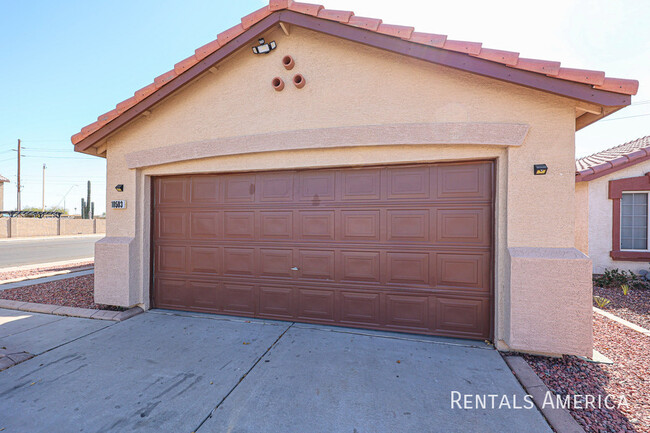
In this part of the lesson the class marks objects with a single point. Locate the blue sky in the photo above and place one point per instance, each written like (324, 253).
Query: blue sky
(64, 63)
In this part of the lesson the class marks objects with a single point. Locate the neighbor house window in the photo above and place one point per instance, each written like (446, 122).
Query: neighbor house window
(634, 221)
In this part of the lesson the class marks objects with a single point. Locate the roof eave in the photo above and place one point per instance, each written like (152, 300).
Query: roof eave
(456, 60)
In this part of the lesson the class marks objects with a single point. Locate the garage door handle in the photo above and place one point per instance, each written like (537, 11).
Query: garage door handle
(295, 268)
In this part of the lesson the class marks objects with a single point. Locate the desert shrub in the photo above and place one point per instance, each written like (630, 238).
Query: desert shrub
(617, 278)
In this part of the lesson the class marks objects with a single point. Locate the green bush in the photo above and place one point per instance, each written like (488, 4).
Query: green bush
(616, 278)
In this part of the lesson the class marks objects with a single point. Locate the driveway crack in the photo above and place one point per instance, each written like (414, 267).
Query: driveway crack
(257, 361)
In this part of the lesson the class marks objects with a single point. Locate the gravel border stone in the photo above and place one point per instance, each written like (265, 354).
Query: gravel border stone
(623, 322)
(560, 419)
(58, 310)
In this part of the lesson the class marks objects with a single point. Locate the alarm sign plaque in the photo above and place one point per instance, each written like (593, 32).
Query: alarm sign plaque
(118, 204)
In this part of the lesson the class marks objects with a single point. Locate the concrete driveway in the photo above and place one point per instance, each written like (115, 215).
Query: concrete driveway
(183, 372)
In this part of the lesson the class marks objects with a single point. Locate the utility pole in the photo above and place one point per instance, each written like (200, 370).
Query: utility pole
(43, 207)
(18, 186)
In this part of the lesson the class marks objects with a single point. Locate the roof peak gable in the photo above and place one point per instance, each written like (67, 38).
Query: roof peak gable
(591, 86)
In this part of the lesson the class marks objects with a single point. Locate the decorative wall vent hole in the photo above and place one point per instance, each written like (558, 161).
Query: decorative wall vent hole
(288, 63)
(299, 81)
(277, 84)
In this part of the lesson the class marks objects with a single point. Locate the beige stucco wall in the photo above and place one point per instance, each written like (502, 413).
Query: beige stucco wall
(2, 195)
(5, 227)
(350, 85)
(77, 226)
(582, 217)
(600, 220)
(26, 227)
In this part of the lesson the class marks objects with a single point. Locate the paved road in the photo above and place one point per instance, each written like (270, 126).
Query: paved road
(214, 374)
(44, 250)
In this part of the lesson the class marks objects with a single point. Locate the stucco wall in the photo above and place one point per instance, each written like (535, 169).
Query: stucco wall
(77, 226)
(26, 227)
(600, 221)
(5, 228)
(582, 217)
(2, 195)
(352, 85)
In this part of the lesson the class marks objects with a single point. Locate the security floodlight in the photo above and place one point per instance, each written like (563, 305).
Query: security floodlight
(263, 47)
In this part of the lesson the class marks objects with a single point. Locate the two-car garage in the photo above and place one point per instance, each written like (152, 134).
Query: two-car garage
(403, 248)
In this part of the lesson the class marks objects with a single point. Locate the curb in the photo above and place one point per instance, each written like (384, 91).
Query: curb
(559, 419)
(623, 322)
(47, 265)
(58, 310)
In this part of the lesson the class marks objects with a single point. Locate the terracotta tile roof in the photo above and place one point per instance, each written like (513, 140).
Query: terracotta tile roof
(613, 159)
(3, 179)
(597, 79)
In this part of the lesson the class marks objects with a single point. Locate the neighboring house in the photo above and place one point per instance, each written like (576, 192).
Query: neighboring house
(2, 193)
(361, 174)
(612, 189)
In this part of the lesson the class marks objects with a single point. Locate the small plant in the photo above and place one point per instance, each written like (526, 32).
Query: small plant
(601, 302)
(615, 278)
(625, 288)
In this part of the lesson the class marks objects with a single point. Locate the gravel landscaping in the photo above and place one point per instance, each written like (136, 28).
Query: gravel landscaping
(69, 292)
(635, 307)
(38, 271)
(629, 376)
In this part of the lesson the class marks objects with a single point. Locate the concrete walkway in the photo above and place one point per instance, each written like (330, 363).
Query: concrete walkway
(183, 372)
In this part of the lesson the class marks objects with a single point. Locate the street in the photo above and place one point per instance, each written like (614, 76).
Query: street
(45, 250)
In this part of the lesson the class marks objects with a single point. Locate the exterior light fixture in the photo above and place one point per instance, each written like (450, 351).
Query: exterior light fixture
(540, 169)
(119, 187)
(263, 47)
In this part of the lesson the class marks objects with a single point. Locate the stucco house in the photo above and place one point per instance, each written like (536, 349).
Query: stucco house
(612, 189)
(315, 166)
(3, 180)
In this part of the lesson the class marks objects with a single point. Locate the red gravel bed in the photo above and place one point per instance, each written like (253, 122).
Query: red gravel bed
(635, 307)
(37, 271)
(629, 376)
(69, 292)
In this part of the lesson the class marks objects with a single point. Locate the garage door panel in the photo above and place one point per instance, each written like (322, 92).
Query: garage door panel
(276, 225)
(171, 225)
(404, 248)
(407, 183)
(317, 186)
(407, 312)
(317, 264)
(408, 268)
(171, 258)
(408, 225)
(361, 184)
(205, 190)
(275, 187)
(466, 316)
(239, 225)
(316, 225)
(360, 266)
(466, 226)
(463, 270)
(276, 302)
(316, 304)
(360, 308)
(239, 298)
(360, 225)
(239, 188)
(464, 182)
(276, 262)
(171, 191)
(170, 293)
(239, 261)
(204, 296)
(206, 225)
(205, 260)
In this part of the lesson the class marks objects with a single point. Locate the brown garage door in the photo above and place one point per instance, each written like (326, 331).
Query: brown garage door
(403, 248)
